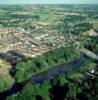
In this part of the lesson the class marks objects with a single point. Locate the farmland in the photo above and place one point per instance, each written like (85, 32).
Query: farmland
(34, 39)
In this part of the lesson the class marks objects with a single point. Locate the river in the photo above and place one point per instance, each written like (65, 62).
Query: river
(48, 74)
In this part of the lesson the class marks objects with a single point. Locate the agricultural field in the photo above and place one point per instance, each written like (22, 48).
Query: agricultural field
(48, 48)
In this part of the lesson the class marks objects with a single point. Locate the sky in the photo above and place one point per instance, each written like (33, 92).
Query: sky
(48, 1)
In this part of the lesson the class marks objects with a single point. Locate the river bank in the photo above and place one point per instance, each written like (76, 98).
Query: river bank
(40, 77)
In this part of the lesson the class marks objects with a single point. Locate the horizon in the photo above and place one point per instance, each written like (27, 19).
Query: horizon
(25, 2)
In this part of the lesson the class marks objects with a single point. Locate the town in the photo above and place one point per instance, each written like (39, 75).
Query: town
(48, 48)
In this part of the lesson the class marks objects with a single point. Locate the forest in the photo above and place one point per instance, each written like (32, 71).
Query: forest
(24, 70)
(78, 25)
(68, 86)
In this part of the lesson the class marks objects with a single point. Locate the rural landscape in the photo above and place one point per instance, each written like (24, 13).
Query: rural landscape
(49, 52)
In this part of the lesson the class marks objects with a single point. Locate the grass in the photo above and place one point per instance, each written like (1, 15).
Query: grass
(4, 75)
(95, 23)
